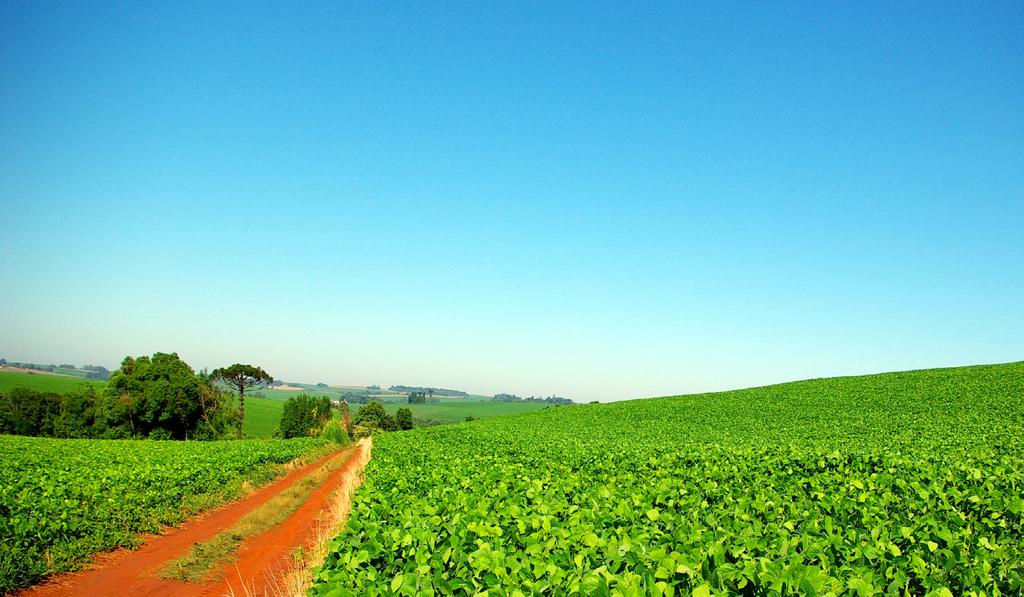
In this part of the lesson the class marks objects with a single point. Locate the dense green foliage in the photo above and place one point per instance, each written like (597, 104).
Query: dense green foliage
(305, 416)
(262, 416)
(906, 483)
(62, 500)
(372, 416)
(159, 398)
(404, 418)
(156, 397)
(28, 412)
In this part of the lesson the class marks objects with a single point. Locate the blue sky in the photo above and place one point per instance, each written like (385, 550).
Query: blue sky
(601, 201)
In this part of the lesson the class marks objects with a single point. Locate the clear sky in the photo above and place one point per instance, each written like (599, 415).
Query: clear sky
(600, 201)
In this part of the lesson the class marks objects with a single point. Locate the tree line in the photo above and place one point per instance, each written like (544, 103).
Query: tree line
(546, 400)
(371, 418)
(430, 391)
(158, 397)
(162, 397)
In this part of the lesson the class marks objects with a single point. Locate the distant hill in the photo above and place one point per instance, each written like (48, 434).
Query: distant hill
(898, 483)
(43, 382)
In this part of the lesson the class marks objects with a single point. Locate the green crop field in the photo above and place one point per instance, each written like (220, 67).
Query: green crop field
(62, 500)
(43, 382)
(456, 410)
(262, 416)
(904, 483)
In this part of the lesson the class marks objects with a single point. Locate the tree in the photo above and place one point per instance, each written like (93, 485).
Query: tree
(241, 378)
(157, 397)
(371, 415)
(404, 418)
(217, 412)
(77, 414)
(154, 397)
(304, 416)
(374, 416)
(28, 412)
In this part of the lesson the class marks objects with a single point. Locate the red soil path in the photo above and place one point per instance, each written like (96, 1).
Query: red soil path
(257, 562)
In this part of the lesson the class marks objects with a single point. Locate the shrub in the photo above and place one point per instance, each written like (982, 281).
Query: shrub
(404, 418)
(304, 416)
(334, 431)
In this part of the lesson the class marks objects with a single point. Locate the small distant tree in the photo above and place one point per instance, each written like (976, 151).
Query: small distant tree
(371, 414)
(217, 412)
(304, 416)
(404, 418)
(242, 378)
(374, 416)
(470, 418)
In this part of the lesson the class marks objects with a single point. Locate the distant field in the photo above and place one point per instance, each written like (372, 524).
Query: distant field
(72, 372)
(44, 382)
(331, 391)
(457, 410)
(261, 417)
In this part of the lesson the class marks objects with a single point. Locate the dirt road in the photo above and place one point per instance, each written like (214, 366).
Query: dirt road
(259, 562)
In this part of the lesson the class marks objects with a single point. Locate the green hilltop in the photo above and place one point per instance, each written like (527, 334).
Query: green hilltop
(907, 483)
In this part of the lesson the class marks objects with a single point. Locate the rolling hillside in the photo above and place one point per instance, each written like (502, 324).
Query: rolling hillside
(902, 483)
(44, 382)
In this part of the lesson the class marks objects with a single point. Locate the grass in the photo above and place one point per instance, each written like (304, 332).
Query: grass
(262, 416)
(43, 382)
